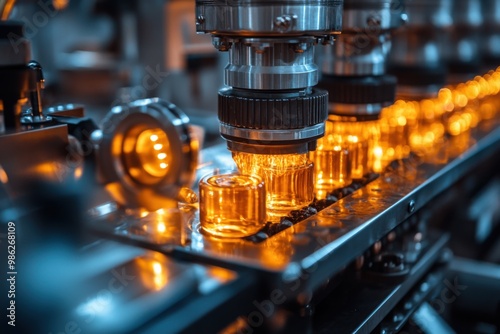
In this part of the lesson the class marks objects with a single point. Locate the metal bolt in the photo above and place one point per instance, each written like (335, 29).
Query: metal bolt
(283, 23)
(200, 20)
(411, 206)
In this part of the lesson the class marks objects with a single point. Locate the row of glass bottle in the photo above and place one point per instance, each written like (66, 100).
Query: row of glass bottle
(236, 205)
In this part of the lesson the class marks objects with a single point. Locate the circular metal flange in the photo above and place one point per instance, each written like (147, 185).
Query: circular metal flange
(293, 141)
(121, 126)
(272, 136)
(269, 18)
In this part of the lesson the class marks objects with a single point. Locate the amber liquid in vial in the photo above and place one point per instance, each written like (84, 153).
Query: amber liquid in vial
(288, 179)
(332, 162)
(232, 205)
(332, 169)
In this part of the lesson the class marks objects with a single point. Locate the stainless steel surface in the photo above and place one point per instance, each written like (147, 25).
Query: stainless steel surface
(273, 135)
(361, 48)
(267, 64)
(116, 288)
(250, 17)
(353, 56)
(363, 14)
(271, 50)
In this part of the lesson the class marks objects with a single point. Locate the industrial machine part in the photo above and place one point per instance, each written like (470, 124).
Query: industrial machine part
(358, 87)
(270, 113)
(14, 72)
(372, 256)
(271, 106)
(145, 153)
(463, 52)
(490, 30)
(417, 57)
(354, 67)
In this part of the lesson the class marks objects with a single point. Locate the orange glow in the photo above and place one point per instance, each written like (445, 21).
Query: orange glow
(222, 275)
(165, 226)
(344, 153)
(153, 271)
(288, 180)
(147, 154)
(277, 251)
(60, 4)
(232, 205)
(377, 161)
(3, 176)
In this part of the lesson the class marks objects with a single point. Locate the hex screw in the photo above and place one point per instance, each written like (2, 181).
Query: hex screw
(284, 22)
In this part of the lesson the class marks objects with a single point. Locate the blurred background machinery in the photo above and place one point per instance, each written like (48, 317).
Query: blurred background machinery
(171, 166)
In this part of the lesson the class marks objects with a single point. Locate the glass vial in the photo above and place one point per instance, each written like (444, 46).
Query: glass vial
(346, 152)
(288, 179)
(232, 205)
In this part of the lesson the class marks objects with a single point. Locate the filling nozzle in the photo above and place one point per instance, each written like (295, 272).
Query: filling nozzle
(359, 88)
(270, 105)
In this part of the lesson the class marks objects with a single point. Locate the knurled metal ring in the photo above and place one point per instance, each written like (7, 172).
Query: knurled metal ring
(273, 112)
(359, 90)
